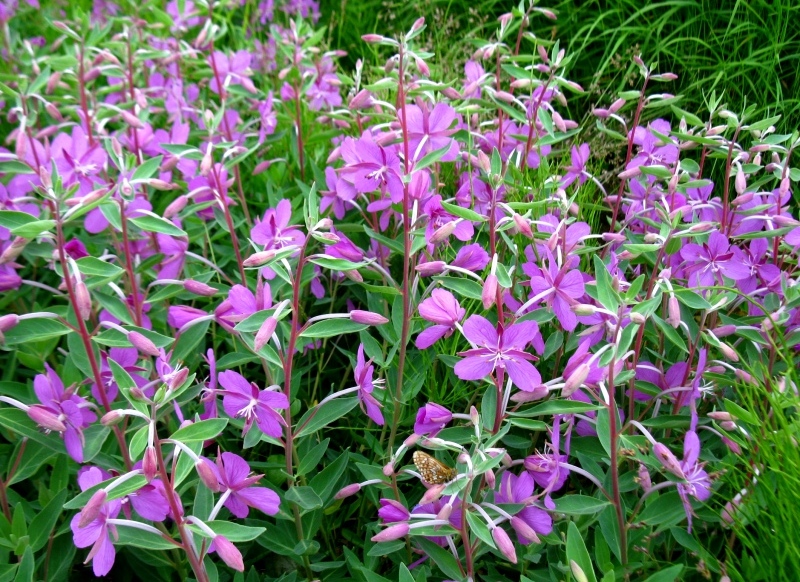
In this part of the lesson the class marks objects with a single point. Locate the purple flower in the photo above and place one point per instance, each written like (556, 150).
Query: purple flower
(233, 70)
(429, 131)
(241, 304)
(363, 373)
(500, 348)
(233, 474)
(515, 489)
(439, 217)
(559, 288)
(71, 410)
(370, 167)
(441, 308)
(706, 263)
(244, 400)
(392, 511)
(545, 470)
(577, 171)
(650, 152)
(472, 258)
(473, 72)
(274, 231)
(431, 418)
(76, 160)
(95, 533)
(338, 196)
(698, 483)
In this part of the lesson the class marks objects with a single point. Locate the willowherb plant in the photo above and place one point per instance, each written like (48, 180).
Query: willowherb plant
(213, 249)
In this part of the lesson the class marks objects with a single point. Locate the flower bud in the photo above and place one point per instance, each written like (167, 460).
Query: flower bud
(199, 288)
(491, 481)
(143, 344)
(575, 380)
(388, 468)
(504, 544)
(431, 268)
(673, 312)
(367, 317)
(111, 417)
(523, 226)
(474, 417)
(524, 530)
(45, 418)
(644, 478)
(638, 318)
(577, 571)
(442, 233)
(177, 378)
(265, 332)
(131, 119)
(259, 258)
(721, 415)
(92, 509)
(724, 330)
(8, 321)
(229, 553)
(732, 446)
(432, 494)
(83, 301)
(393, 532)
(207, 476)
(489, 293)
(444, 512)
(348, 490)
(149, 464)
(176, 206)
(728, 352)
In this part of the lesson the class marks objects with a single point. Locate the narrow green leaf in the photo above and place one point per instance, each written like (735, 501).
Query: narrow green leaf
(577, 552)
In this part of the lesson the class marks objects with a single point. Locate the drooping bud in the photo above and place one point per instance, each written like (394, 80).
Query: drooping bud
(149, 464)
(229, 553)
(504, 544)
(144, 344)
(444, 512)
(176, 206)
(207, 476)
(83, 301)
(367, 317)
(489, 293)
(575, 380)
(673, 312)
(644, 478)
(523, 226)
(348, 490)
(265, 332)
(199, 288)
(442, 233)
(491, 480)
(393, 532)
(92, 509)
(432, 494)
(577, 571)
(259, 258)
(111, 417)
(524, 530)
(431, 268)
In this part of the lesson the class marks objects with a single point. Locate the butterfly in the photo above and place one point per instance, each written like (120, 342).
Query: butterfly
(433, 471)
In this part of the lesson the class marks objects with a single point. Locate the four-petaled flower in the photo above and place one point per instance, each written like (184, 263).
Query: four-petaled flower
(242, 399)
(501, 348)
(95, 533)
(237, 485)
(443, 309)
(515, 489)
(363, 373)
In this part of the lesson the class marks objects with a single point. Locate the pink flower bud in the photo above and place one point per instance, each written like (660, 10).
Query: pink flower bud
(728, 425)
(740, 182)
(229, 553)
(577, 571)
(8, 321)
(644, 478)
(524, 530)
(444, 512)
(15, 250)
(491, 481)
(161, 185)
(348, 490)
(354, 275)
(143, 344)
(504, 544)
(575, 380)
(732, 446)
(388, 468)
(523, 225)
(638, 318)
(367, 317)
(265, 332)
(668, 460)
(149, 464)
(45, 418)
(418, 24)
(673, 312)
(199, 288)
(207, 476)
(259, 258)
(720, 415)
(176, 206)
(111, 417)
(92, 509)
(176, 379)
(432, 494)
(411, 440)
(131, 119)
(83, 301)
(371, 38)
(451, 93)
(474, 417)
(431, 268)
(728, 352)
(442, 233)
(724, 330)
(393, 532)
(489, 293)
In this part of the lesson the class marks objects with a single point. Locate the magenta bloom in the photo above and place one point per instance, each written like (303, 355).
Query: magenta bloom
(96, 532)
(500, 348)
(545, 470)
(241, 304)
(233, 474)
(706, 263)
(363, 373)
(443, 309)
(515, 489)
(72, 410)
(370, 167)
(431, 418)
(429, 131)
(471, 257)
(579, 156)
(76, 160)
(274, 231)
(234, 69)
(698, 483)
(338, 196)
(559, 288)
(392, 511)
(242, 399)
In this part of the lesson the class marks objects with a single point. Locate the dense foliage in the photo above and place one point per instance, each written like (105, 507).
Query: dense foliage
(267, 317)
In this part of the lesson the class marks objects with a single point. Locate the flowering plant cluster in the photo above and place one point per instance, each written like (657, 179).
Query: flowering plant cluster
(375, 322)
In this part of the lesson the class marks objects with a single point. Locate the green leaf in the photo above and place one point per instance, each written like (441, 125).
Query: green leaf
(478, 526)
(12, 219)
(325, 481)
(741, 414)
(153, 223)
(552, 407)
(147, 170)
(577, 552)
(95, 267)
(443, 558)
(202, 430)
(462, 212)
(27, 567)
(235, 532)
(138, 538)
(332, 327)
(133, 484)
(15, 167)
(321, 416)
(528, 424)
(464, 287)
(664, 509)
(605, 292)
(35, 330)
(691, 299)
(17, 421)
(43, 522)
(580, 505)
(405, 575)
(335, 264)
(308, 461)
(126, 384)
(431, 158)
(33, 229)
(304, 497)
(670, 574)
